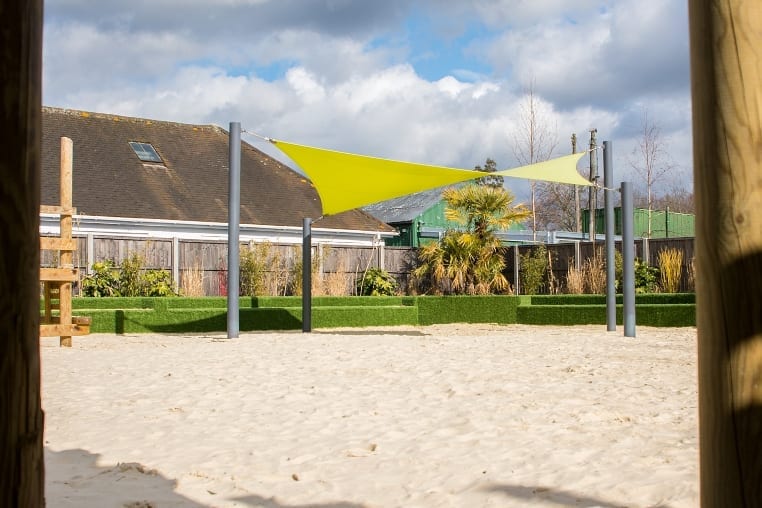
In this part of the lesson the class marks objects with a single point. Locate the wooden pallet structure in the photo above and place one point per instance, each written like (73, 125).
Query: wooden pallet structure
(56, 319)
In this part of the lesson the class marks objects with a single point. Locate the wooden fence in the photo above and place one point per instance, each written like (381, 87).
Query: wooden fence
(209, 259)
(564, 255)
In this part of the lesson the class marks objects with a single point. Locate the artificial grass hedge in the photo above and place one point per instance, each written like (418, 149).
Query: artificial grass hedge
(466, 309)
(645, 298)
(660, 315)
(201, 315)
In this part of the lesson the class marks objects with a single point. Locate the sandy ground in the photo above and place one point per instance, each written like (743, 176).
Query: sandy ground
(456, 415)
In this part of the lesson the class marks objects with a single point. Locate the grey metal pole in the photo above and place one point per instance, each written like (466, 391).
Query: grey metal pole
(608, 201)
(234, 218)
(628, 260)
(307, 275)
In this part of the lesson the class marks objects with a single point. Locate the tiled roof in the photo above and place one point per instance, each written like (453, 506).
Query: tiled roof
(406, 208)
(192, 184)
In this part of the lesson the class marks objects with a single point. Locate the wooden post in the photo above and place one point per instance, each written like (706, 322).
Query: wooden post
(726, 84)
(57, 281)
(64, 290)
(22, 468)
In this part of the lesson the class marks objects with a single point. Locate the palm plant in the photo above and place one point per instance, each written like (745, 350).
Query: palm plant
(469, 261)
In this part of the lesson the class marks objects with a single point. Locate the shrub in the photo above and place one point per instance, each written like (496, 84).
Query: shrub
(296, 272)
(338, 282)
(104, 280)
(192, 281)
(129, 280)
(534, 266)
(692, 275)
(252, 268)
(157, 283)
(645, 277)
(670, 269)
(376, 282)
(595, 274)
(575, 280)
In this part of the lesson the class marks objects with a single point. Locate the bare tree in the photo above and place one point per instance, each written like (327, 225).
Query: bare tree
(534, 140)
(558, 205)
(650, 160)
(675, 199)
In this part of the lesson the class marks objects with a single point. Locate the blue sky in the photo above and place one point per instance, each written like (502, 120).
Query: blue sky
(427, 80)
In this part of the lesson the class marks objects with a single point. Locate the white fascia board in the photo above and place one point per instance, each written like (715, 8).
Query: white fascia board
(204, 231)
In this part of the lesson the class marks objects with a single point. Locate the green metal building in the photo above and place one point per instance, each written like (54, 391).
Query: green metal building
(664, 223)
(419, 218)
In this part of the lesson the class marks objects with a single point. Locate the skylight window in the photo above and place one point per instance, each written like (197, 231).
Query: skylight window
(145, 152)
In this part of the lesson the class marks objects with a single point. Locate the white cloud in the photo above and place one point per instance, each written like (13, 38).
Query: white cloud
(342, 74)
(305, 84)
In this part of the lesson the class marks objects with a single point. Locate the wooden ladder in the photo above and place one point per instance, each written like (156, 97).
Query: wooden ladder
(56, 319)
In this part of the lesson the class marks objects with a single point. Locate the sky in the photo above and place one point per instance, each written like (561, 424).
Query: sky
(432, 81)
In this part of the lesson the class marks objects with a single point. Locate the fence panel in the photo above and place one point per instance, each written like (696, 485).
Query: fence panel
(348, 262)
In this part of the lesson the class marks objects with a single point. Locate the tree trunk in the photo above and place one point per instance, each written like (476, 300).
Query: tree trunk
(21, 424)
(726, 77)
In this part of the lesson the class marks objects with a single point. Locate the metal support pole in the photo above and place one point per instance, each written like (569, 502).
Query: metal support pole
(608, 201)
(628, 260)
(234, 218)
(307, 275)
(516, 268)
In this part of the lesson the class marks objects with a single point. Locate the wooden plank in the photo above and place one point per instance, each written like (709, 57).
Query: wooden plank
(22, 464)
(58, 274)
(48, 314)
(60, 330)
(55, 243)
(64, 312)
(64, 295)
(726, 78)
(61, 210)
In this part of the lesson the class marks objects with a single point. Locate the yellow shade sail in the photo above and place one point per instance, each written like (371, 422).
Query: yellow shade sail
(346, 181)
(558, 170)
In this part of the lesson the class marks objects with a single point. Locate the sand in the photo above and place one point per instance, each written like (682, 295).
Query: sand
(455, 415)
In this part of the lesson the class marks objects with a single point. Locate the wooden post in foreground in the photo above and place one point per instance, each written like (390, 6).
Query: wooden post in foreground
(726, 83)
(22, 468)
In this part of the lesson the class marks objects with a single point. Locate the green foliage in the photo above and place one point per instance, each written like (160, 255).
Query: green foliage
(376, 282)
(482, 209)
(646, 277)
(534, 268)
(157, 283)
(490, 166)
(470, 261)
(462, 264)
(104, 280)
(129, 280)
